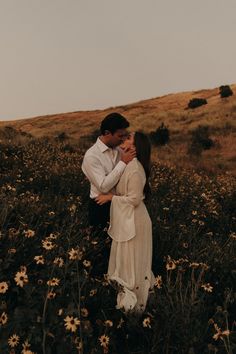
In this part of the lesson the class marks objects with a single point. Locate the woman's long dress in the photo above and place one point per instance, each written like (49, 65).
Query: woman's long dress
(131, 232)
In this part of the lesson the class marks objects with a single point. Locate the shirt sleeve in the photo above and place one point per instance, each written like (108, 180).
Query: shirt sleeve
(95, 172)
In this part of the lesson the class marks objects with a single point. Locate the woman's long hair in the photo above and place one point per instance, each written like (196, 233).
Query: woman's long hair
(143, 153)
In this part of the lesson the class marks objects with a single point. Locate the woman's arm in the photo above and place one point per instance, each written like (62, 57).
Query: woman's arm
(134, 190)
(134, 194)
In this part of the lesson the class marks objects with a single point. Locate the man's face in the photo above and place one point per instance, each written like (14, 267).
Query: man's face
(116, 138)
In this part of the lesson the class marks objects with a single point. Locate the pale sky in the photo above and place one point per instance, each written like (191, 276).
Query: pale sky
(70, 55)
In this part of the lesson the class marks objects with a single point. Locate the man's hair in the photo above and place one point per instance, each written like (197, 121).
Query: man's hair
(112, 122)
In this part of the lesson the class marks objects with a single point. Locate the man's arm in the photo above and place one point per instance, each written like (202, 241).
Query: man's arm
(95, 172)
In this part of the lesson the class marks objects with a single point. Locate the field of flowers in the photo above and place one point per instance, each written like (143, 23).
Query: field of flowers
(54, 295)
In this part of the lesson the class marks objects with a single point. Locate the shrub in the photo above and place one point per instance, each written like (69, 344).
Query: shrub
(62, 136)
(200, 140)
(196, 102)
(85, 141)
(161, 136)
(225, 91)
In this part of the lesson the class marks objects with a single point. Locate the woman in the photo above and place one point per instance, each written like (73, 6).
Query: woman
(131, 229)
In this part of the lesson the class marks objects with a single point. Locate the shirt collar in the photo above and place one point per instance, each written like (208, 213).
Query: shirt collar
(103, 147)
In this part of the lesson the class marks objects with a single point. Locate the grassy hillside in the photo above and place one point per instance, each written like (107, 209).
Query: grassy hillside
(219, 114)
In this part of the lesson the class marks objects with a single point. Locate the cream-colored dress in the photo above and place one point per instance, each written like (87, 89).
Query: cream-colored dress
(131, 232)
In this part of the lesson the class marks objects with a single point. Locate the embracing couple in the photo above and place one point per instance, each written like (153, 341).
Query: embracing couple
(118, 167)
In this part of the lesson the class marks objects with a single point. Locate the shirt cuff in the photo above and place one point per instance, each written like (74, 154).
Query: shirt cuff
(121, 166)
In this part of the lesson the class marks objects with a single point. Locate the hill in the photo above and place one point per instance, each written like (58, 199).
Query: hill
(218, 114)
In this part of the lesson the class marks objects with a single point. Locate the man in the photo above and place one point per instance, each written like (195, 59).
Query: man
(104, 163)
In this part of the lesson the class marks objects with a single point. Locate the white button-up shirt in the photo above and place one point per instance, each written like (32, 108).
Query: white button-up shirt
(103, 168)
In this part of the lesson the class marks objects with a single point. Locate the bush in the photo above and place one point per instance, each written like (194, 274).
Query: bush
(225, 91)
(62, 137)
(161, 136)
(196, 102)
(85, 141)
(200, 140)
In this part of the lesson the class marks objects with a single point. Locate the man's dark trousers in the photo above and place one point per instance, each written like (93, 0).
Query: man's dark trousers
(99, 215)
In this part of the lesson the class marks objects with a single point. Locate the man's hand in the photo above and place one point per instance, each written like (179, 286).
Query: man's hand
(104, 198)
(128, 155)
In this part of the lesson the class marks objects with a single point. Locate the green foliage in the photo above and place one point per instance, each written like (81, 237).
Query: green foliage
(196, 102)
(225, 91)
(160, 136)
(43, 212)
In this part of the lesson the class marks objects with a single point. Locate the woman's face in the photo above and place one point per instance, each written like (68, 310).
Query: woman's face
(128, 142)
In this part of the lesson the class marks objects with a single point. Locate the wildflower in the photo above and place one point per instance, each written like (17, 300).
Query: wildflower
(211, 321)
(86, 263)
(108, 323)
(194, 212)
(78, 343)
(207, 287)
(53, 236)
(84, 312)
(194, 265)
(3, 318)
(204, 265)
(23, 269)
(219, 334)
(93, 292)
(29, 233)
(12, 251)
(120, 323)
(13, 232)
(58, 261)
(39, 259)
(3, 287)
(51, 295)
(194, 221)
(53, 282)
(170, 265)
(26, 346)
(13, 341)
(158, 281)
(215, 212)
(75, 254)
(21, 279)
(104, 341)
(147, 322)
(233, 235)
(72, 208)
(51, 213)
(185, 244)
(71, 323)
(60, 312)
(48, 245)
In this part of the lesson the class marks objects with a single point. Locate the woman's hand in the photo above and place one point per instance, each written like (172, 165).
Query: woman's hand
(104, 198)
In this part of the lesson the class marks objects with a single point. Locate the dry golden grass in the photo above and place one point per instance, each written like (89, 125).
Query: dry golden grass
(219, 114)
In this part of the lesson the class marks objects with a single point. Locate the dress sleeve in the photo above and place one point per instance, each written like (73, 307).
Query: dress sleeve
(122, 226)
